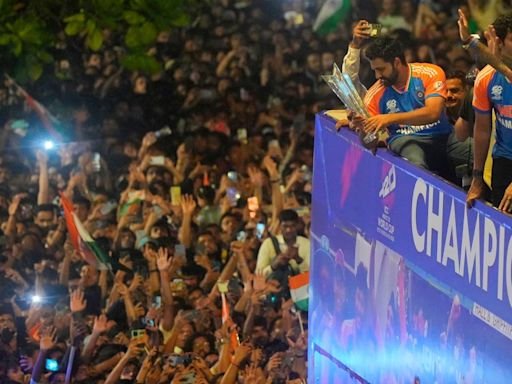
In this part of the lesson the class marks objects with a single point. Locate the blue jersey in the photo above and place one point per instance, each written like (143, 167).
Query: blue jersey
(493, 91)
(425, 81)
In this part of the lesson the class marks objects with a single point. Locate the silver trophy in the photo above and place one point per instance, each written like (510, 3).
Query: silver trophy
(344, 88)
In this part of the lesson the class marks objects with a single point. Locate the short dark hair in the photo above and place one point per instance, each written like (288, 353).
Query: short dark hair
(288, 215)
(503, 25)
(456, 74)
(80, 200)
(45, 208)
(385, 48)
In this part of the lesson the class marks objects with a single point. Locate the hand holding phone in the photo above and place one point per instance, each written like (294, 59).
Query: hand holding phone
(157, 160)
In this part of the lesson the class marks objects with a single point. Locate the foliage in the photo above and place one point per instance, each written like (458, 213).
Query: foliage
(30, 29)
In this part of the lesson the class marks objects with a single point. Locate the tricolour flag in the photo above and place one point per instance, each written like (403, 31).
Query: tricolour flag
(49, 121)
(331, 14)
(132, 205)
(82, 241)
(299, 290)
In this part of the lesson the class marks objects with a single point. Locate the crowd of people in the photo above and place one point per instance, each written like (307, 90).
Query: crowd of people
(195, 187)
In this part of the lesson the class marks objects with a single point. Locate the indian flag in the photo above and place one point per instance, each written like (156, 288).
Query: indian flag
(331, 14)
(299, 290)
(131, 206)
(82, 240)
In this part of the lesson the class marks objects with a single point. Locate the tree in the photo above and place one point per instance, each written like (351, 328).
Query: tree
(30, 29)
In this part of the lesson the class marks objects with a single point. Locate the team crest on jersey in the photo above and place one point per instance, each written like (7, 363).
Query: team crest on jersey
(391, 106)
(438, 85)
(496, 92)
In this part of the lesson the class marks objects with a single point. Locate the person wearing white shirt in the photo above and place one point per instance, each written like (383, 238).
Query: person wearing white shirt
(287, 250)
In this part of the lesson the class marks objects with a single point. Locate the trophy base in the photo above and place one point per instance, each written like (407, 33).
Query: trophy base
(369, 140)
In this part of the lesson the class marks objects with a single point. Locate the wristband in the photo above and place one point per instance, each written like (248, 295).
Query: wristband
(468, 40)
(275, 181)
(477, 173)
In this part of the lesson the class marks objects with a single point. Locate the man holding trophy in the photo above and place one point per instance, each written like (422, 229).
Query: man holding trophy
(409, 101)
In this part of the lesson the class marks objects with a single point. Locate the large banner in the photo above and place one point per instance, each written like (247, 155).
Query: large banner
(406, 281)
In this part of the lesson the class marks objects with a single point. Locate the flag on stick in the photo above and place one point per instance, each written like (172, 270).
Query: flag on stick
(82, 240)
(48, 120)
(299, 290)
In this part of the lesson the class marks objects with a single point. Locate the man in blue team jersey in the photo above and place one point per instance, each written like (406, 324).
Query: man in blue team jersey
(493, 91)
(408, 100)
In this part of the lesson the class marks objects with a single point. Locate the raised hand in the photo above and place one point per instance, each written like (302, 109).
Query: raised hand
(271, 167)
(492, 40)
(274, 362)
(77, 301)
(149, 139)
(42, 157)
(463, 26)
(188, 205)
(13, 207)
(100, 324)
(48, 338)
(163, 261)
(203, 261)
(360, 33)
(136, 282)
(122, 289)
(139, 310)
(256, 176)
(241, 353)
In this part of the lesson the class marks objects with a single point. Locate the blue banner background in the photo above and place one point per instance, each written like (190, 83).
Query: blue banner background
(415, 244)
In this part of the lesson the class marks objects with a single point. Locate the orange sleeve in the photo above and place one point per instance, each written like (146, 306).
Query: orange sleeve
(434, 80)
(372, 99)
(481, 100)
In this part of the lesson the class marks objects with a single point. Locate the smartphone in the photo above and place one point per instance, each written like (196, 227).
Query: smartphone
(233, 176)
(244, 95)
(96, 162)
(175, 360)
(200, 249)
(375, 29)
(108, 207)
(138, 333)
(299, 124)
(233, 196)
(157, 160)
(242, 135)
(260, 230)
(253, 204)
(192, 314)
(306, 173)
(273, 144)
(180, 252)
(149, 322)
(157, 301)
(241, 236)
(52, 365)
(175, 192)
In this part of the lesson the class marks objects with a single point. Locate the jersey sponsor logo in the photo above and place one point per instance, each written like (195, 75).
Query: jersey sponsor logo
(496, 92)
(392, 107)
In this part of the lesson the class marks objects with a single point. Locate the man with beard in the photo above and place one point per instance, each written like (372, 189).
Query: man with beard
(409, 101)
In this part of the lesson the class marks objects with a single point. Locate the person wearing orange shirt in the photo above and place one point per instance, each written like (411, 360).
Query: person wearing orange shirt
(409, 101)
